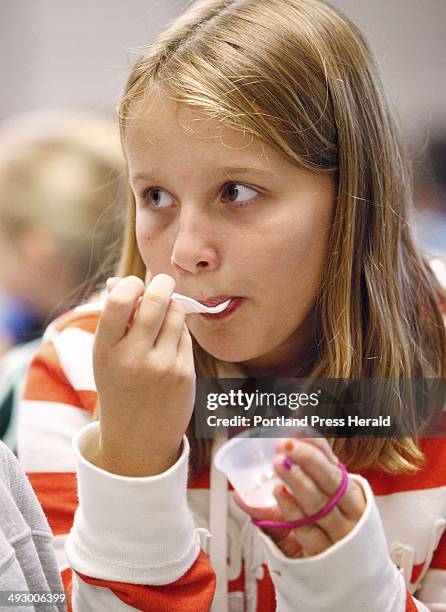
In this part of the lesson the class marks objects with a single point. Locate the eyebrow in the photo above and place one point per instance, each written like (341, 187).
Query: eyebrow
(223, 169)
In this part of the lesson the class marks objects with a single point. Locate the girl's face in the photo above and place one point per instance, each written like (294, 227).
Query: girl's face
(226, 215)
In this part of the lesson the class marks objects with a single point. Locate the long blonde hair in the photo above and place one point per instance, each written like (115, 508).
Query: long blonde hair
(299, 76)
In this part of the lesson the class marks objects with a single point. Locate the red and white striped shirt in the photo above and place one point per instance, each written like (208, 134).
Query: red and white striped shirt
(142, 543)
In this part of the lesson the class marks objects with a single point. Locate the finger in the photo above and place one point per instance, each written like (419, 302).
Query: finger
(148, 277)
(171, 331)
(117, 310)
(152, 310)
(112, 282)
(291, 547)
(311, 537)
(185, 347)
(311, 499)
(271, 513)
(325, 474)
(315, 463)
(320, 443)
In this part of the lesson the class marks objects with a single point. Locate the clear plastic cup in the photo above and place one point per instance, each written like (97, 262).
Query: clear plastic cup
(247, 461)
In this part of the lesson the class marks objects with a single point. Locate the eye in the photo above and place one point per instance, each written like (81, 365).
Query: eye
(157, 198)
(239, 194)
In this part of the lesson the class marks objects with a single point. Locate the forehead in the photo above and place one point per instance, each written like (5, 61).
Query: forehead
(158, 126)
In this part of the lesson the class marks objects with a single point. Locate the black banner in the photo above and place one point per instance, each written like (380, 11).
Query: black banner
(342, 408)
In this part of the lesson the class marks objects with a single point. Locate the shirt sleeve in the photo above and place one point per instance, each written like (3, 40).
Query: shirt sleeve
(136, 563)
(50, 413)
(136, 536)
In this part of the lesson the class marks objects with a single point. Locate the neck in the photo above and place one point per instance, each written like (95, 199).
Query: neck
(292, 359)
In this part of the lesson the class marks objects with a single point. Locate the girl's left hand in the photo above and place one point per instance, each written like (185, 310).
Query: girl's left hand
(308, 467)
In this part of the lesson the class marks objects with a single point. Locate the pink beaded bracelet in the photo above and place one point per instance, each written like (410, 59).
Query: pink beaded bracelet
(313, 517)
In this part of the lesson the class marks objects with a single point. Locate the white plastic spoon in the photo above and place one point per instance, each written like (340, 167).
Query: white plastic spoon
(191, 306)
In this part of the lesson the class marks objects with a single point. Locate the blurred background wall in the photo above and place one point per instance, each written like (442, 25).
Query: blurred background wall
(64, 53)
(77, 54)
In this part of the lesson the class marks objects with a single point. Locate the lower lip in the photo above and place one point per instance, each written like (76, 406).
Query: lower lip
(233, 305)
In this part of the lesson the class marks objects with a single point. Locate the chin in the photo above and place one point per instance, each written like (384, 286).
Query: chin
(233, 353)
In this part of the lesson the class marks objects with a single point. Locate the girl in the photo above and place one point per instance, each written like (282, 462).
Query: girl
(265, 168)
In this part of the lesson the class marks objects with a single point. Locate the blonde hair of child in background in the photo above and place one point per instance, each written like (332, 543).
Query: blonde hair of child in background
(61, 191)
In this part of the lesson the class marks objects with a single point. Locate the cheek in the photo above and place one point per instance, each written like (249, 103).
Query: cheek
(153, 245)
(148, 227)
(291, 268)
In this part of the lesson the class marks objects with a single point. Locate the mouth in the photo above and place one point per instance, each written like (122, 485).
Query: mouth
(215, 300)
(234, 304)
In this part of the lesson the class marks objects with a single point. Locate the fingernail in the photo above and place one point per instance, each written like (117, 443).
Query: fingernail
(285, 490)
(162, 280)
(287, 464)
(289, 445)
(111, 282)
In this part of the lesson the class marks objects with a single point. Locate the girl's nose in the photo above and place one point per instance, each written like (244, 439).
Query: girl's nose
(194, 248)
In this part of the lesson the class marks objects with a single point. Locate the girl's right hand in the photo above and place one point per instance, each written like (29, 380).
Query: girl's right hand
(145, 377)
